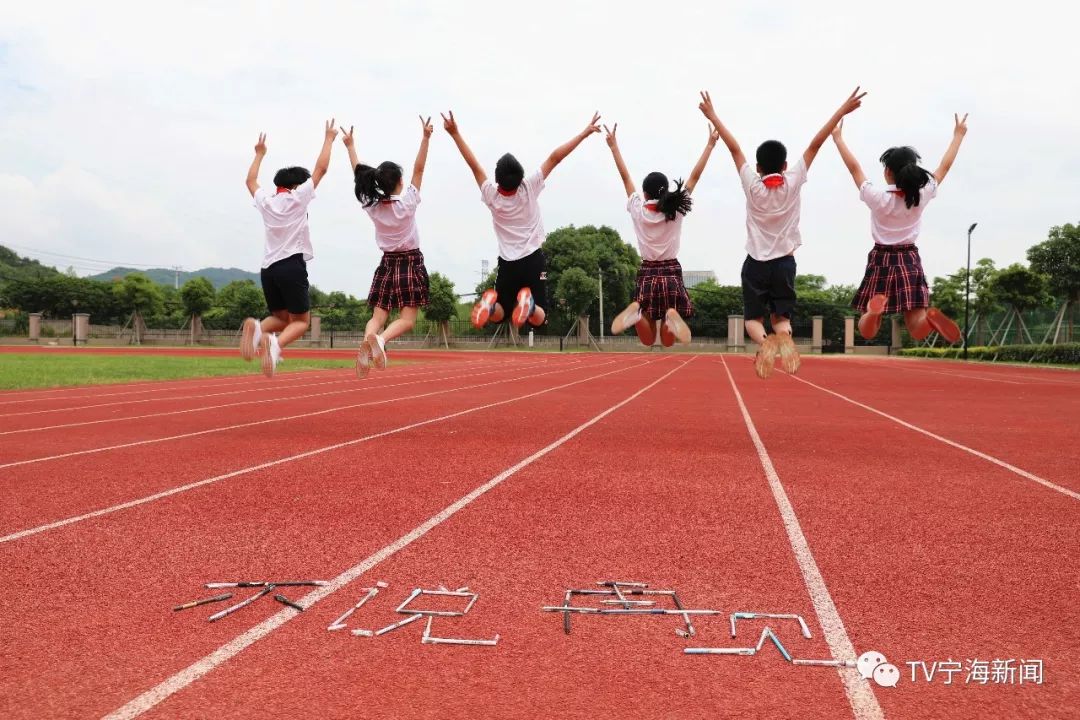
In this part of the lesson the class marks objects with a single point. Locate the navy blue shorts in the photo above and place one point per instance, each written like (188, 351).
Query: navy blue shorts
(768, 287)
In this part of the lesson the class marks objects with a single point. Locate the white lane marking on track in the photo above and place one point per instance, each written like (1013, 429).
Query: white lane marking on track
(989, 458)
(225, 428)
(356, 387)
(300, 456)
(196, 670)
(860, 694)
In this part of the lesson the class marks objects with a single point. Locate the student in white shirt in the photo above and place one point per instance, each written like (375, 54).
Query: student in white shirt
(894, 280)
(657, 214)
(401, 280)
(521, 282)
(287, 250)
(772, 235)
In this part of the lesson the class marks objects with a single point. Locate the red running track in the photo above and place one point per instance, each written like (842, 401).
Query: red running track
(554, 471)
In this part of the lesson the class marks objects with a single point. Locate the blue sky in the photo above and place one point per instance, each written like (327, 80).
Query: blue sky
(126, 128)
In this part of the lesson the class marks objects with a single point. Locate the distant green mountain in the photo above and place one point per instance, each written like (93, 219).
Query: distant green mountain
(219, 277)
(15, 267)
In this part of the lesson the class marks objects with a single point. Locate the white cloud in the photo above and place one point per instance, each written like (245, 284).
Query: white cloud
(127, 127)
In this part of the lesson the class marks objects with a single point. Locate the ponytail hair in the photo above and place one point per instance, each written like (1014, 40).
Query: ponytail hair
(670, 203)
(376, 184)
(909, 176)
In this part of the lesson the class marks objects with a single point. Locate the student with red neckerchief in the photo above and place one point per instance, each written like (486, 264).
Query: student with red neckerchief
(401, 280)
(286, 252)
(894, 281)
(521, 282)
(657, 213)
(772, 235)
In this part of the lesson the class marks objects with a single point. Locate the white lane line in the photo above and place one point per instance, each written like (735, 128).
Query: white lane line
(355, 387)
(300, 456)
(989, 458)
(346, 376)
(314, 413)
(196, 670)
(860, 694)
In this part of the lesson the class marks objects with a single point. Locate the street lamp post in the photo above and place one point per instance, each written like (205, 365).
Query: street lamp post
(600, 277)
(967, 292)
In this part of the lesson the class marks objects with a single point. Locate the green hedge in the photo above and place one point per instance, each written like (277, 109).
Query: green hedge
(1067, 354)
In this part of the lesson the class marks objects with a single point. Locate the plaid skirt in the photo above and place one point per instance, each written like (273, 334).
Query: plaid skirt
(896, 272)
(401, 280)
(659, 287)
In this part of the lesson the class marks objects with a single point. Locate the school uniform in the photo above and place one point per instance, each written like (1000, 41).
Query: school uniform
(893, 267)
(659, 280)
(287, 247)
(773, 205)
(401, 280)
(519, 230)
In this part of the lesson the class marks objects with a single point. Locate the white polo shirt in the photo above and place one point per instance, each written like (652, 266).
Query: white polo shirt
(657, 238)
(516, 217)
(285, 217)
(395, 221)
(772, 214)
(892, 222)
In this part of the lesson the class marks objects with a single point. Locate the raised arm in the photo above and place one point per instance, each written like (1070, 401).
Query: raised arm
(846, 155)
(347, 140)
(852, 103)
(612, 143)
(421, 155)
(723, 133)
(699, 168)
(322, 164)
(959, 131)
(253, 171)
(558, 154)
(450, 124)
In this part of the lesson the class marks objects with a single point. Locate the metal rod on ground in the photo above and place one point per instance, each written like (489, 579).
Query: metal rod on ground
(286, 601)
(718, 651)
(826, 663)
(395, 626)
(286, 583)
(371, 592)
(241, 604)
(690, 632)
(566, 615)
(203, 601)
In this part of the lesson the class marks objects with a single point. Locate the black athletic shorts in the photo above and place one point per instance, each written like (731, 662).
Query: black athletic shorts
(530, 271)
(768, 287)
(285, 285)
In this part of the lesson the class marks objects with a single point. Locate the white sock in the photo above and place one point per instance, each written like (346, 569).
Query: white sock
(257, 338)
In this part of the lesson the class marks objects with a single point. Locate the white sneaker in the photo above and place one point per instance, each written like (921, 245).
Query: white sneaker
(378, 352)
(363, 359)
(627, 318)
(250, 338)
(677, 326)
(271, 354)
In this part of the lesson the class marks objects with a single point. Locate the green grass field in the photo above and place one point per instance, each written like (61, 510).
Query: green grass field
(38, 370)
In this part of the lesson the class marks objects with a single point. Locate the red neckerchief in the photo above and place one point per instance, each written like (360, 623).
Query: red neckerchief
(282, 190)
(773, 181)
(651, 205)
(506, 193)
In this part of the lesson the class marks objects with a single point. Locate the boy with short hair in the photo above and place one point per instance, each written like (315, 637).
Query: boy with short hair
(286, 252)
(772, 234)
(521, 282)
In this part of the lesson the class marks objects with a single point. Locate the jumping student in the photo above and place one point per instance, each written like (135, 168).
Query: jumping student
(401, 280)
(287, 250)
(521, 282)
(657, 214)
(772, 235)
(894, 280)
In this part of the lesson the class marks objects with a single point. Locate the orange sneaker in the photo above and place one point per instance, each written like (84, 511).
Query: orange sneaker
(250, 339)
(945, 327)
(482, 310)
(789, 355)
(524, 309)
(766, 357)
(677, 326)
(870, 321)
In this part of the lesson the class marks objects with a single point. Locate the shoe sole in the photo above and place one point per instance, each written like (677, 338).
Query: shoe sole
(619, 324)
(522, 312)
(480, 315)
(944, 327)
(362, 370)
(378, 355)
(681, 329)
(789, 357)
(267, 357)
(765, 359)
(247, 340)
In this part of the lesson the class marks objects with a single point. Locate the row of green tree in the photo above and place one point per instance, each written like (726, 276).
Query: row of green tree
(580, 261)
